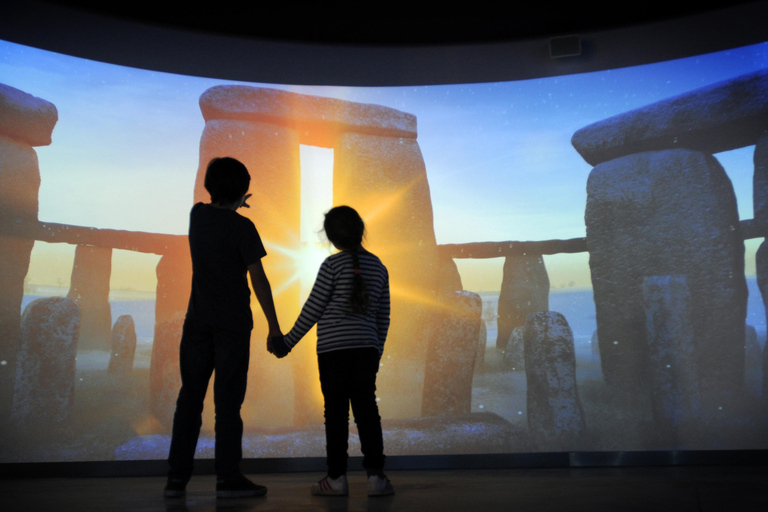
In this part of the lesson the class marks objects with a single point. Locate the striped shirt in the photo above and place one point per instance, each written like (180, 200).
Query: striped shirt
(328, 305)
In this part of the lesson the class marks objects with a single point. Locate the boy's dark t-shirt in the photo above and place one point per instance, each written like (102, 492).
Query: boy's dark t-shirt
(222, 244)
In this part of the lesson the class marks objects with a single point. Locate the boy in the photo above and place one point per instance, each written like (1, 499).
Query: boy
(217, 330)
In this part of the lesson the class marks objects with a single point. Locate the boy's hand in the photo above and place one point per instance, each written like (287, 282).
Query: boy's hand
(245, 201)
(271, 336)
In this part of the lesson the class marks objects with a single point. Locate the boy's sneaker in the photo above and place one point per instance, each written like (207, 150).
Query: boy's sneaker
(238, 487)
(379, 485)
(331, 487)
(175, 488)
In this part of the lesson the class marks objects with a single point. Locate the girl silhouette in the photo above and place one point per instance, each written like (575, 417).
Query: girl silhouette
(349, 302)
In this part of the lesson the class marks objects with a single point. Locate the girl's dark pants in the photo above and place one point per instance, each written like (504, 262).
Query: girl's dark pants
(349, 376)
(202, 351)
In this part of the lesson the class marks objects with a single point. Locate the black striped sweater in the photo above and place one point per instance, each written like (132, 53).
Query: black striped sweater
(328, 305)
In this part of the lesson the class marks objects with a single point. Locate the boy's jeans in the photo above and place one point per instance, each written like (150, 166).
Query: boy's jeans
(204, 349)
(349, 376)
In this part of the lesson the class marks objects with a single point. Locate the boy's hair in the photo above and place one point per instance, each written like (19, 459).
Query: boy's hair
(226, 179)
(345, 229)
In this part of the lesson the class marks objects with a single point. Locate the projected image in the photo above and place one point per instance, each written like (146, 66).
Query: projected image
(575, 262)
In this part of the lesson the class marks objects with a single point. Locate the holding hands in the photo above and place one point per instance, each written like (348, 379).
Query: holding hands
(276, 345)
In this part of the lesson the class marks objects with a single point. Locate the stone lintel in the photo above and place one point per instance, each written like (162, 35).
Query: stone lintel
(719, 117)
(317, 120)
(51, 232)
(25, 118)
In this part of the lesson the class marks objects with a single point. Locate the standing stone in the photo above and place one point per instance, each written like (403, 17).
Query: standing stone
(524, 290)
(19, 184)
(451, 356)
(514, 353)
(174, 286)
(25, 121)
(90, 290)
(449, 279)
(123, 346)
(555, 416)
(753, 364)
(675, 395)
(752, 350)
(765, 378)
(385, 180)
(482, 343)
(760, 204)
(760, 182)
(667, 213)
(164, 372)
(761, 264)
(45, 376)
(20, 179)
(595, 345)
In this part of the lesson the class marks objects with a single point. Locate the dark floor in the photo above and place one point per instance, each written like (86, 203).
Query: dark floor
(679, 489)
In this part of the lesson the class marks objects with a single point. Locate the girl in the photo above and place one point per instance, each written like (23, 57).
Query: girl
(350, 304)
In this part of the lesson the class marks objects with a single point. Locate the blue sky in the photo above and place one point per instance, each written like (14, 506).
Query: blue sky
(498, 155)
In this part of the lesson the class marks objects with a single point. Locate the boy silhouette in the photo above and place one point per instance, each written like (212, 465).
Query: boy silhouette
(225, 248)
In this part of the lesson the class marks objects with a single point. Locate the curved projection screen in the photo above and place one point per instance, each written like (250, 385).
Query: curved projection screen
(634, 322)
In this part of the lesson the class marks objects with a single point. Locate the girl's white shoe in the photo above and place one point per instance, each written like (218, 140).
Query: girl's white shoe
(380, 486)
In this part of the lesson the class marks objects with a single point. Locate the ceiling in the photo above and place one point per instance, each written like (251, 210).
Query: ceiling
(525, 20)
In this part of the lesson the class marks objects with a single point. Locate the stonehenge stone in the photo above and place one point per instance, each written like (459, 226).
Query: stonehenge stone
(19, 180)
(90, 290)
(595, 345)
(45, 375)
(19, 185)
(719, 117)
(524, 290)
(451, 357)
(761, 264)
(25, 118)
(482, 343)
(753, 364)
(174, 285)
(164, 373)
(385, 180)
(752, 350)
(378, 169)
(667, 213)
(760, 181)
(319, 120)
(674, 380)
(555, 416)
(123, 346)
(765, 378)
(514, 353)
(450, 279)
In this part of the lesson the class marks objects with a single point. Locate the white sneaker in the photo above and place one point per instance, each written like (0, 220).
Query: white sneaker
(331, 487)
(380, 486)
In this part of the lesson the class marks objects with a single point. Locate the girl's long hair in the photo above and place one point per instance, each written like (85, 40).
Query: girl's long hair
(345, 229)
